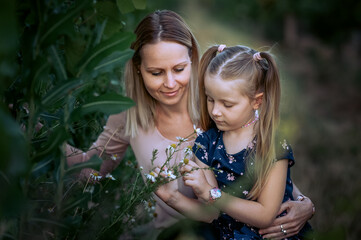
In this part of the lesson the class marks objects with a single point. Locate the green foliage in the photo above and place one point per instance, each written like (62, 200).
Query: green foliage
(61, 63)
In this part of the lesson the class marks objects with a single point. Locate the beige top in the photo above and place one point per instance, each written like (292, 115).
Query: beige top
(115, 142)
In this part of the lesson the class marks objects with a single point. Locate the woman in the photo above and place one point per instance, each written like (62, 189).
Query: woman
(161, 78)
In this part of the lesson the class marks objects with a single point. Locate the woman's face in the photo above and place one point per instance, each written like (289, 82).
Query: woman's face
(166, 71)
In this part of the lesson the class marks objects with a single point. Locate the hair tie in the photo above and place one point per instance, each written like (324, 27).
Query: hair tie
(257, 56)
(221, 47)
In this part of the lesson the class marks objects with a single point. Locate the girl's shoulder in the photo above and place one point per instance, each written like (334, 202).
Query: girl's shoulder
(284, 151)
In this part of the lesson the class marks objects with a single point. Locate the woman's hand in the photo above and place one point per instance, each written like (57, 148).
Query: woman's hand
(167, 192)
(298, 212)
(195, 178)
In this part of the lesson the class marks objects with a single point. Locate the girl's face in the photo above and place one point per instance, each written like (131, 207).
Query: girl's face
(166, 71)
(227, 107)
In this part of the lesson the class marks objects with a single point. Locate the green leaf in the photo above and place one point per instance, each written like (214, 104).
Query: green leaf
(140, 4)
(57, 64)
(125, 6)
(119, 42)
(52, 147)
(94, 162)
(109, 103)
(58, 93)
(115, 60)
(61, 24)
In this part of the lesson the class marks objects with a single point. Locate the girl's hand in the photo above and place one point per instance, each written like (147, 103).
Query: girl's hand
(298, 212)
(195, 178)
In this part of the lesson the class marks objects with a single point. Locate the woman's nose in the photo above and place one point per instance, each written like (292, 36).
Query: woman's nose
(169, 81)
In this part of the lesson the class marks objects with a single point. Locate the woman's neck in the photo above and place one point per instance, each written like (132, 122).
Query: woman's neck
(173, 121)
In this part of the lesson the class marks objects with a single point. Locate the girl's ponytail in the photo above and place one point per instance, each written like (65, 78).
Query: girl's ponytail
(269, 118)
(207, 57)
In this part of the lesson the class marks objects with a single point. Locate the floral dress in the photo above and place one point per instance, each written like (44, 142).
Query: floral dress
(234, 176)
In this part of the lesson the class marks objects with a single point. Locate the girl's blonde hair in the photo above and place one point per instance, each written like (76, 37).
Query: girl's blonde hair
(161, 25)
(261, 76)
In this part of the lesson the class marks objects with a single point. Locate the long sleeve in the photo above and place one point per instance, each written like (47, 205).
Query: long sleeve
(111, 146)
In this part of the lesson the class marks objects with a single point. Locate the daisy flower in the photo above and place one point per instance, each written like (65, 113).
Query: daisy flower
(114, 157)
(109, 176)
(197, 130)
(95, 176)
(151, 176)
(169, 174)
(188, 151)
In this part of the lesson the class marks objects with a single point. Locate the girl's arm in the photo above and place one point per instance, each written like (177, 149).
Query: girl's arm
(189, 207)
(298, 213)
(260, 213)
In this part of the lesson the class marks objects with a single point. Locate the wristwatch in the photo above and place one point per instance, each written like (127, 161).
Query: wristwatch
(214, 194)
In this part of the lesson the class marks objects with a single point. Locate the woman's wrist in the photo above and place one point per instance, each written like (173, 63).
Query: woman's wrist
(302, 198)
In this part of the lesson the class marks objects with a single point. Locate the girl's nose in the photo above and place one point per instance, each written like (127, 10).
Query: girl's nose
(215, 111)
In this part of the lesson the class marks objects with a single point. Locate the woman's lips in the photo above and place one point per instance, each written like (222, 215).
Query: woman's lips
(170, 94)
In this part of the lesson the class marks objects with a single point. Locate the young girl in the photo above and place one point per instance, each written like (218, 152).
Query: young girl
(240, 95)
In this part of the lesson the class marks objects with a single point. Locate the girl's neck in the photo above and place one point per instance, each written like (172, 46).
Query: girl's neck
(235, 141)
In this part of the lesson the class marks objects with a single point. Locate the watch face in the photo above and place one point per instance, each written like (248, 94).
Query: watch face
(216, 193)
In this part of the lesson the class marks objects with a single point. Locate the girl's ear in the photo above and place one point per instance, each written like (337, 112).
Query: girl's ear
(257, 100)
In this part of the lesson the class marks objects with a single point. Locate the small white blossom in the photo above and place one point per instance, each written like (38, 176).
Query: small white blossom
(114, 157)
(141, 168)
(188, 151)
(95, 176)
(180, 139)
(89, 189)
(199, 145)
(110, 176)
(151, 176)
(169, 174)
(197, 130)
(171, 149)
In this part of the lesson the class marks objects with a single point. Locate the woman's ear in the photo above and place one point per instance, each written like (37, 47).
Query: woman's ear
(257, 100)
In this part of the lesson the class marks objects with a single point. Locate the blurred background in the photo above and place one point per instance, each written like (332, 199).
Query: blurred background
(318, 48)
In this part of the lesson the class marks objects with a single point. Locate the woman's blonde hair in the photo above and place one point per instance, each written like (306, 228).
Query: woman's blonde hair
(261, 76)
(161, 25)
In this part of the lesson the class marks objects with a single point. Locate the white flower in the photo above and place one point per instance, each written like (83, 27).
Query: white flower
(188, 151)
(199, 145)
(170, 149)
(114, 157)
(151, 176)
(169, 174)
(184, 161)
(95, 176)
(180, 139)
(141, 168)
(197, 130)
(110, 176)
(90, 189)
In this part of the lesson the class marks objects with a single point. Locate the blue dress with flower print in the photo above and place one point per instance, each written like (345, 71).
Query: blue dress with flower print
(234, 176)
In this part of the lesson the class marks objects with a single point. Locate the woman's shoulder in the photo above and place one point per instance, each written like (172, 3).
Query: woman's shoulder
(116, 124)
